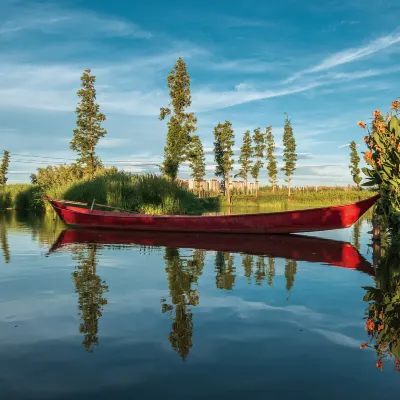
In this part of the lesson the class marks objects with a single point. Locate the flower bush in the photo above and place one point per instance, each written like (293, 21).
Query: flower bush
(383, 155)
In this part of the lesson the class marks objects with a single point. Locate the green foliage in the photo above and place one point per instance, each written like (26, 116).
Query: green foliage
(289, 152)
(258, 152)
(181, 124)
(89, 130)
(354, 162)
(223, 152)
(21, 197)
(245, 161)
(272, 167)
(4, 167)
(197, 160)
(149, 194)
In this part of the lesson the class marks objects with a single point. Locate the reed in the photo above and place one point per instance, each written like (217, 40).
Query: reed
(20, 196)
(319, 198)
(148, 194)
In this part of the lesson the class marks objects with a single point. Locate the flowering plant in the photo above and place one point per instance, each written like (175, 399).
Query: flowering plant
(383, 155)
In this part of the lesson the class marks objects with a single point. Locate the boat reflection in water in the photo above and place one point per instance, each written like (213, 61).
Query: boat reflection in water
(258, 260)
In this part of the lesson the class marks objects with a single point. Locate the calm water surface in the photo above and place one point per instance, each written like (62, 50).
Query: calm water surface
(105, 315)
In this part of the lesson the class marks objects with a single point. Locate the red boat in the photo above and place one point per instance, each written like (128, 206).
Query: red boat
(294, 247)
(317, 219)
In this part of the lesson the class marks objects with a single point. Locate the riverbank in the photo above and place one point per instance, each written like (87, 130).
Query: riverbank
(149, 194)
(152, 194)
(280, 199)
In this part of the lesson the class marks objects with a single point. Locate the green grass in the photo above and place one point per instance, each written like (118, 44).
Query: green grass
(312, 198)
(20, 196)
(150, 194)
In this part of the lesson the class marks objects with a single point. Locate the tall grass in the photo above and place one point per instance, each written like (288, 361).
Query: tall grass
(147, 194)
(320, 198)
(20, 196)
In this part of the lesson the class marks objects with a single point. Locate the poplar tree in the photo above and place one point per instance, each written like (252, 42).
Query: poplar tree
(354, 162)
(197, 161)
(271, 159)
(89, 130)
(223, 153)
(181, 123)
(289, 152)
(4, 167)
(245, 161)
(258, 151)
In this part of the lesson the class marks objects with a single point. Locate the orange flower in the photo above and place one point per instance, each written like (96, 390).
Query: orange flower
(380, 164)
(361, 124)
(368, 157)
(364, 345)
(395, 105)
(379, 364)
(370, 324)
(398, 147)
(376, 113)
(366, 139)
(381, 326)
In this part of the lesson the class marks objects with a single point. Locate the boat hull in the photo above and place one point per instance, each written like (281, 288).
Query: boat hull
(294, 247)
(317, 219)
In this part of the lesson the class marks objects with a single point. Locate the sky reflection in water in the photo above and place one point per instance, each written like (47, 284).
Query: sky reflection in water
(114, 317)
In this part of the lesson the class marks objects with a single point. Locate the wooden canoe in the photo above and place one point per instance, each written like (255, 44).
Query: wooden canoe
(310, 220)
(294, 247)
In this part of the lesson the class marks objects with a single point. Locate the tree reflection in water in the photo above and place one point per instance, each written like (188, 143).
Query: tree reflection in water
(382, 321)
(183, 274)
(90, 289)
(225, 270)
(4, 220)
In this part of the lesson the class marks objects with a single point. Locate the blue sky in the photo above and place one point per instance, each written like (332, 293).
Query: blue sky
(326, 63)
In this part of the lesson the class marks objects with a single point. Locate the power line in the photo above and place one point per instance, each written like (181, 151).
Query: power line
(73, 159)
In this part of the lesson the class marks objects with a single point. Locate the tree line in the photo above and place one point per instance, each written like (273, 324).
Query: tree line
(182, 144)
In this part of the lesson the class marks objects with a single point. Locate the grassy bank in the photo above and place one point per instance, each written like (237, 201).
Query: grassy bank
(20, 197)
(280, 199)
(150, 194)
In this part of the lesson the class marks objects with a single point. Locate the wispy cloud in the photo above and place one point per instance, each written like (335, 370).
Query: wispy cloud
(55, 19)
(350, 55)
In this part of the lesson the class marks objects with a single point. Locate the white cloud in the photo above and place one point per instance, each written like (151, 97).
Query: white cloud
(350, 55)
(52, 19)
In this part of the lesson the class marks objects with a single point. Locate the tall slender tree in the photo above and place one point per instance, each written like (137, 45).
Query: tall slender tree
(354, 162)
(4, 168)
(223, 153)
(272, 167)
(197, 161)
(181, 124)
(289, 152)
(89, 131)
(258, 151)
(245, 160)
